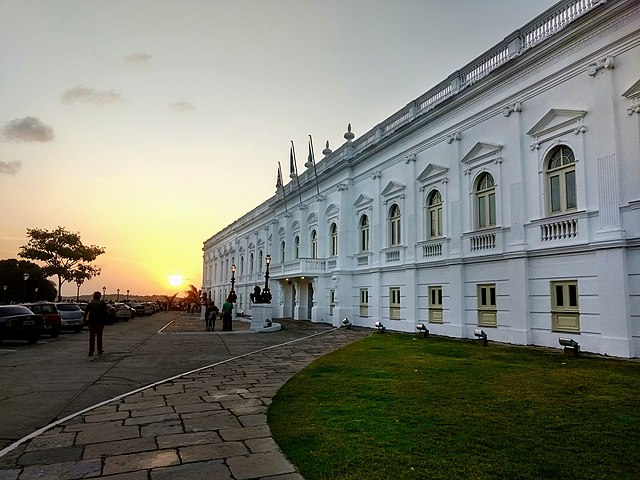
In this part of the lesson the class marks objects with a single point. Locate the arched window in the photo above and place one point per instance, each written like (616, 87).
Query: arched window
(242, 265)
(435, 214)
(561, 180)
(296, 246)
(394, 225)
(364, 233)
(282, 251)
(334, 239)
(314, 244)
(251, 263)
(485, 201)
(260, 261)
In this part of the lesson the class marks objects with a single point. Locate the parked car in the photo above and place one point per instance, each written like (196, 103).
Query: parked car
(139, 308)
(148, 308)
(71, 315)
(52, 320)
(122, 312)
(20, 323)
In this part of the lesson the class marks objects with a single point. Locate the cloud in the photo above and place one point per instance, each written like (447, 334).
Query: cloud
(81, 94)
(182, 106)
(10, 168)
(27, 129)
(138, 59)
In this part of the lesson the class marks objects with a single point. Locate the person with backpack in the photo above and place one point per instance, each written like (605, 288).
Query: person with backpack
(96, 313)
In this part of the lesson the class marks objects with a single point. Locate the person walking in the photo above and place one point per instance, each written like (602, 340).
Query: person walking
(210, 316)
(96, 312)
(227, 308)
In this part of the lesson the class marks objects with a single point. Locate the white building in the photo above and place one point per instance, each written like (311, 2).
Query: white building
(507, 197)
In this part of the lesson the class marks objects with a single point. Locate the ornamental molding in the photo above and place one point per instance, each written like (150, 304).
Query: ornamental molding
(410, 158)
(392, 188)
(362, 201)
(332, 210)
(342, 187)
(376, 174)
(555, 123)
(432, 174)
(454, 137)
(602, 64)
(481, 154)
(633, 95)
(509, 109)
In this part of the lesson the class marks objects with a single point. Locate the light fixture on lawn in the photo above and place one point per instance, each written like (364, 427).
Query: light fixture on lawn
(346, 323)
(378, 326)
(421, 327)
(478, 332)
(570, 345)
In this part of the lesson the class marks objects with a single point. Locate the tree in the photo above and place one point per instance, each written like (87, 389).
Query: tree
(193, 295)
(63, 254)
(18, 290)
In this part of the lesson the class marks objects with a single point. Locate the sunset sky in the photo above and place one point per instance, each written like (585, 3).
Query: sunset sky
(147, 126)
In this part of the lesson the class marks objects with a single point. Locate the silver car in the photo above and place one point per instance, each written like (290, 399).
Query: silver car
(71, 315)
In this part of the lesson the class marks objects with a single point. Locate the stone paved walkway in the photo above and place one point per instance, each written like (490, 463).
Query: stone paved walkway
(207, 424)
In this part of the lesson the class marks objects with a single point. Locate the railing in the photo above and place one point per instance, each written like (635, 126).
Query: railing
(362, 261)
(432, 250)
(304, 265)
(556, 21)
(485, 65)
(484, 241)
(559, 230)
(331, 264)
(392, 256)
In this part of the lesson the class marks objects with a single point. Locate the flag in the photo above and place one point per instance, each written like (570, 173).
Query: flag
(279, 183)
(293, 169)
(311, 162)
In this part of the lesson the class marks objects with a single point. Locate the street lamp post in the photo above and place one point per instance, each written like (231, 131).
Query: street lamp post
(78, 283)
(36, 297)
(104, 293)
(266, 293)
(117, 295)
(232, 294)
(127, 294)
(4, 294)
(24, 290)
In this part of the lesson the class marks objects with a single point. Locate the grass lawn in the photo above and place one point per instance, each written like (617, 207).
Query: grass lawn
(397, 406)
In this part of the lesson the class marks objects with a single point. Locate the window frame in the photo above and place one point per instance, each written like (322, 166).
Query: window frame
(565, 318)
(364, 302)
(487, 310)
(434, 293)
(314, 244)
(364, 235)
(485, 202)
(394, 303)
(333, 232)
(560, 172)
(395, 225)
(434, 210)
(332, 301)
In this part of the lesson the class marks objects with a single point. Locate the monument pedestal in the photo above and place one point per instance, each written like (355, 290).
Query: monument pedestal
(261, 318)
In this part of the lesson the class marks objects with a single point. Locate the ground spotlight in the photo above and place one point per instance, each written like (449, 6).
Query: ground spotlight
(570, 346)
(478, 332)
(346, 323)
(378, 326)
(421, 327)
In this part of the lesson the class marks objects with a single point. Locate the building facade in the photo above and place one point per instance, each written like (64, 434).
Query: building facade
(505, 198)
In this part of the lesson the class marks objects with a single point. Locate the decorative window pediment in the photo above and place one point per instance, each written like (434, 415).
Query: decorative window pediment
(433, 174)
(633, 94)
(251, 246)
(241, 249)
(481, 154)
(392, 189)
(332, 211)
(260, 242)
(312, 219)
(555, 124)
(362, 201)
(281, 232)
(295, 227)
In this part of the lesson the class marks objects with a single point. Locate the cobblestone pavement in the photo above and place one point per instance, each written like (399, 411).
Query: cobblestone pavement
(210, 423)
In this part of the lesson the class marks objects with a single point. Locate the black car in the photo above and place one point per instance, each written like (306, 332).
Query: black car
(19, 323)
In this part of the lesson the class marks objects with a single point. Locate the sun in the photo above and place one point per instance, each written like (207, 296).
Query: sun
(175, 280)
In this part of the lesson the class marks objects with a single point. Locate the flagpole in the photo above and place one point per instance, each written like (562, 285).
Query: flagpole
(312, 160)
(294, 163)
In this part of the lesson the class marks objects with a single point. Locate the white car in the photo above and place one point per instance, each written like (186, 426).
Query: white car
(71, 316)
(123, 313)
